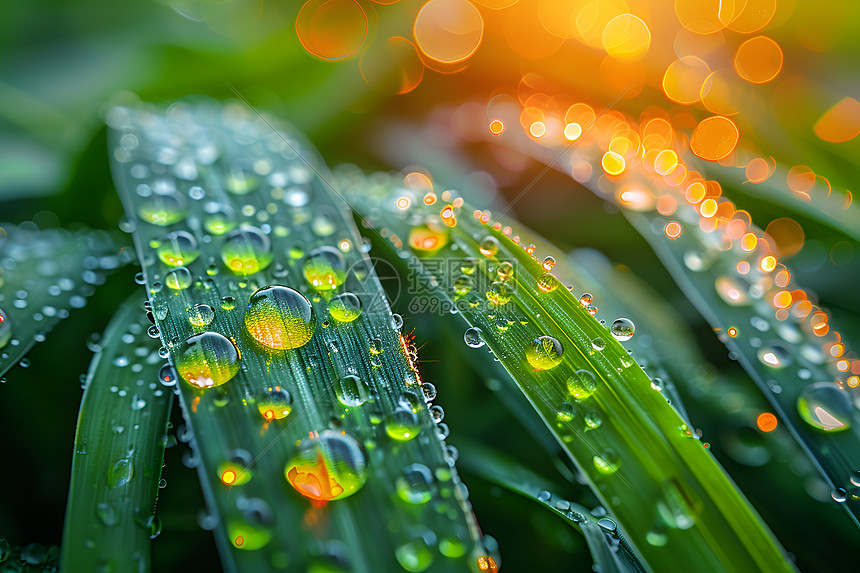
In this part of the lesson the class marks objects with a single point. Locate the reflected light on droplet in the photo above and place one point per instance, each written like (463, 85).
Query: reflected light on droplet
(758, 60)
(448, 31)
(714, 138)
(332, 29)
(626, 38)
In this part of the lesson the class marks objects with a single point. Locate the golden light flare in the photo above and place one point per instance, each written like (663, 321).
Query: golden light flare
(332, 29)
(626, 38)
(592, 18)
(714, 138)
(448, 31)
(612, 163)
(758, 60)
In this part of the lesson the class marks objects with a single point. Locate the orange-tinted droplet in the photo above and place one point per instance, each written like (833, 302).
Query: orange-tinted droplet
(766, 422)
(758, 60)
(714, 138)
(332, 29)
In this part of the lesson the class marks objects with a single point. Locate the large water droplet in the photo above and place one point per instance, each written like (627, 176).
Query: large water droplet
(345, 307)
(328, 466)
(824, 406)
(207, 359)
(544, 353)
(201, 315)
(324, 268)
(473, 337)
(219, 218)
(120, 473)
(415, 484)
(163, 209)
(499, 293)
(622, 329)
(178, 248)
(247, 250)
(178, 279)
(415, 555)
(275, 403)
(402, 424)
(547, 282)
(351, 390)
(279, 317)
(581, 384)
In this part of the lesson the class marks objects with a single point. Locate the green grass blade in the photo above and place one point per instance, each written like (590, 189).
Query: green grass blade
(668, 494)
(119, 447)
(609, 550)
(44, 274)
(286, 423)
(786, 375)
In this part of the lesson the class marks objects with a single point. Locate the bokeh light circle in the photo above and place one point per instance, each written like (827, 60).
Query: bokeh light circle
(448, 31)
(332, 29)
(626, 38)
(714, 138)
(758, 60)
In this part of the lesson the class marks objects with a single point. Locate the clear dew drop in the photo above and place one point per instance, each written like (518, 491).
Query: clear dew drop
(839, 495)
(622, 329)
(593, 420)
(402, 424)
(207, 359)
(201, 315)
(855, 478)
(607, 462)
(598, 344)
(167, 375)
(120, 473)
(489, 247)
(547, 282)
(415, 484)
(499, 293)
(586, 299)
(163, 209)
(416, 555)
(178, 279)
(774, 354)
(396, 321)
(826, 407)
(462, 285)
(279, 317)
(474, 337)
(352, 391)
(219, 218)
(505, 271)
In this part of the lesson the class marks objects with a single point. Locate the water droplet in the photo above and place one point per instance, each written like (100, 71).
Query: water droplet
(163, 209)
(167, 375)
(586, 299)
(469, 265)
(607, 462)
(462, 285)
(241, 179)
(656, 538)
(201, 315)
(505, 270)
(219, 218)
(855, 478)
(328, 466)
(598, 344)
(547, 282)
(581, 384)
(593, 420)
(839, 495)
(178, 248)
(345, 307)
(415, 484)
(247, 250)
(566, 412)
(622, 329)
(732, 290)
(499, 293)
(544, 353)
(676, 507)
(396, 321)
(120, 473)
(774, 354)
(324, 268)
(279, 317)
(402, 424)
(473, 337)
(425, 240)
(275, 403)
(178, 279)
(137, 403)
(207, 359)
(351, 390)
(825, 406)
(415, 555)
(106, 513)
(5, 329)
